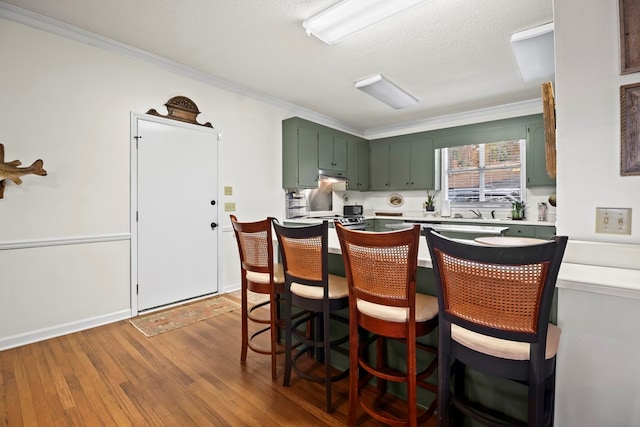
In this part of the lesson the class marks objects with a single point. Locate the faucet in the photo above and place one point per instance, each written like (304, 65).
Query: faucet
(477, 213)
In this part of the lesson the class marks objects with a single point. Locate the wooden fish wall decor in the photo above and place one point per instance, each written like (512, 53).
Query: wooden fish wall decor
(10, 170)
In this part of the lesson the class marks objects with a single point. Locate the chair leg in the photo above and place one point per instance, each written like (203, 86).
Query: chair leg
(287, 338)
(355, 339)
(326, 336)
(459, 372)
(273, 333)
(245, 326)
(444, 381)
(412, 397)
(381, 384)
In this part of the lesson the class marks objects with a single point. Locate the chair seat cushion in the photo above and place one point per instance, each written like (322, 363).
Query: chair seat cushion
(278, 275)
(338, 288)
(505, 349)
(426, 309)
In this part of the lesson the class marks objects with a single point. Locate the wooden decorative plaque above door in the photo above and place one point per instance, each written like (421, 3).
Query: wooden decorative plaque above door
(183, 109)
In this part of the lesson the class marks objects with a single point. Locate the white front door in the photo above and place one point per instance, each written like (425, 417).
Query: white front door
(177, 235)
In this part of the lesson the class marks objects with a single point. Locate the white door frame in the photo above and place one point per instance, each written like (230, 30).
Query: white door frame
(134, 199)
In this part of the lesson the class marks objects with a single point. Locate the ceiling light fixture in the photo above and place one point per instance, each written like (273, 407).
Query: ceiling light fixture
(534, 52)
(347, 17)
(385, 91)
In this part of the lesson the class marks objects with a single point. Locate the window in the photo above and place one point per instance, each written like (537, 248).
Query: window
(489, 174)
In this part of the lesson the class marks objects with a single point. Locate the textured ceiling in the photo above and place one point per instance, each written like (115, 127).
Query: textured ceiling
(453, 55)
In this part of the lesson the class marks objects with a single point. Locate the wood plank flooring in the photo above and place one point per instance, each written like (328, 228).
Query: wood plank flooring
(115, 376)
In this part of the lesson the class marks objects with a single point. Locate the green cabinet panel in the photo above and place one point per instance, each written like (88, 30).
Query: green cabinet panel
(299, 154)
(399, 166)
(307, 158)
(332, 152)
(379, 167)
(358, 164)
(536, 156)
(381, 224)
(422, 164)
(521, 231)
(545, 232)
(402, 163)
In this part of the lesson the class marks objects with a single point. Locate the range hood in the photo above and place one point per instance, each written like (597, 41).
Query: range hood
(332, 175)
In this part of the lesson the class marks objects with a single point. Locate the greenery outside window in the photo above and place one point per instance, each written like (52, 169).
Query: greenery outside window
(484, 175)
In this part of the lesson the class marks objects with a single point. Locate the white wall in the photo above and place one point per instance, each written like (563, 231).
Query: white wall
(587, 93)
(69, 103)
(597, 370)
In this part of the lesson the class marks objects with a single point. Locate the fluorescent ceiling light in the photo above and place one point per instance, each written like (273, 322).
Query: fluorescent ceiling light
(534, 52)
(385, 91)
(347, 17)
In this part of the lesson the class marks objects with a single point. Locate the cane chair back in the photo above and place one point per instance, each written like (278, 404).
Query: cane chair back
(495, 305)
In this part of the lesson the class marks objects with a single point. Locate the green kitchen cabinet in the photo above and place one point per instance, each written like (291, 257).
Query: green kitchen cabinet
(332, 152)
(381, 224)
(299, 154)
(358, 164)
(536, 156)
(379, 166)
(308, 147)
(402, 163)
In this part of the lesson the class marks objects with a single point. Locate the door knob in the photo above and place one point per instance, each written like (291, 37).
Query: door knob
(213, 225)
(213, 202)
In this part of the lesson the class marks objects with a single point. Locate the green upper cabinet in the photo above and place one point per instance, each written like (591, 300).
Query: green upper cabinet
(536, 156)
(379, 168)
(308, 147)
(358, 164)
(402, 163)
(299, 154)
(332, 152)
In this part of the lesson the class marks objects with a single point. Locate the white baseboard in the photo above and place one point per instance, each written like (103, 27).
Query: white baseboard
(63, 329)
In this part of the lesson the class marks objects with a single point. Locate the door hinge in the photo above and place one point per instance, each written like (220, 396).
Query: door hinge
(137, 138)
(137, 289)
(136, 216)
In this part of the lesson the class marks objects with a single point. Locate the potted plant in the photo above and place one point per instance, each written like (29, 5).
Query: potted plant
(431, 200)
(518, 210)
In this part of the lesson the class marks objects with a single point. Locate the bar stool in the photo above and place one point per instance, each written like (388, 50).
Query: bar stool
(261, 275)
(494, 318)
(381, 271)
(310, 288)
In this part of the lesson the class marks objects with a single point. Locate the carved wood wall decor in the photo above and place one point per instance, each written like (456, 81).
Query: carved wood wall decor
(629, 11)
(549, 118)
(183, 109)
(10, 170)
(630, 129)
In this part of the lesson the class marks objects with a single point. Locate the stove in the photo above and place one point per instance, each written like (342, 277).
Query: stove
(353, 222)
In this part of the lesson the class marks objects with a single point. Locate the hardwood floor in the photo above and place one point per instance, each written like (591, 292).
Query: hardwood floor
(115, 376)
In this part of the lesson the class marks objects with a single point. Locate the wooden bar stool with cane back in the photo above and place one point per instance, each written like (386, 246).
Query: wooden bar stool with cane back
(381, 271)
(310, 288)
(495, 304)
(260, 274)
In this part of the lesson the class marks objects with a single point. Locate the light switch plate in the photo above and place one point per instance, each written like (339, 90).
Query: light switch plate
(228, 190)
(613, 220)
(229, 206)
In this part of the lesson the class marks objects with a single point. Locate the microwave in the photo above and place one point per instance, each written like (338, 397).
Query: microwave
(352, 210)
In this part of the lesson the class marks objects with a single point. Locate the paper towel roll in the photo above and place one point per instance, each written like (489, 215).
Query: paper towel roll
(446, 208)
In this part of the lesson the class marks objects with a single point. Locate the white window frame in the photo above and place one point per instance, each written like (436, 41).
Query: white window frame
(444, 179)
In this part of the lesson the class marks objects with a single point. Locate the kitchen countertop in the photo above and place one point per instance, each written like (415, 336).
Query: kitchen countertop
(609, 280)
(433, 218)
